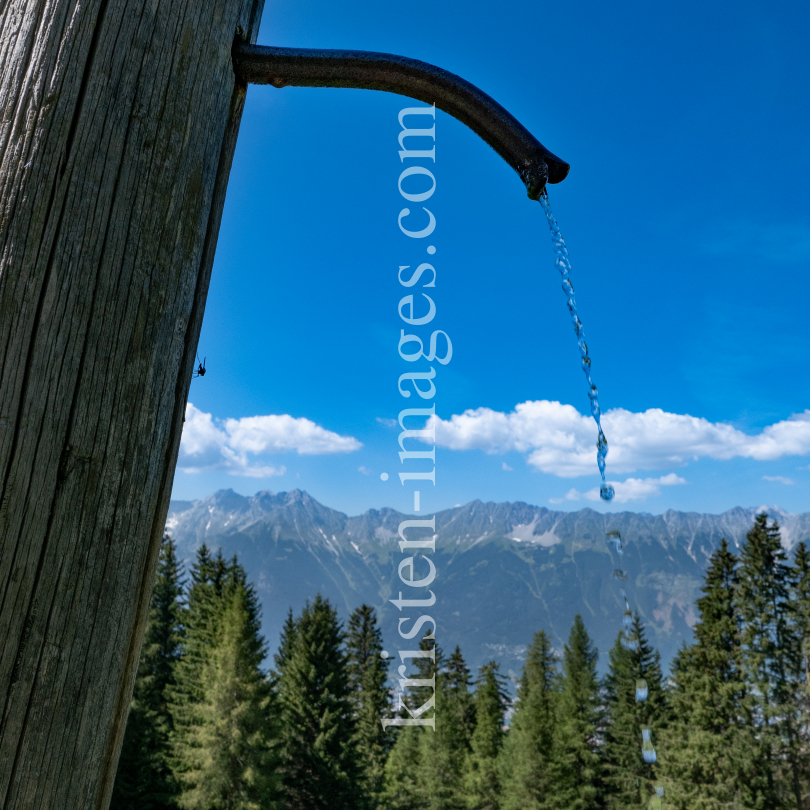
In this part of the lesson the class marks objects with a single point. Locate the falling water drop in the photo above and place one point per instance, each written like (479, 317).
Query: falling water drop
(647, 749)
(641, 690)
(615, 537)
(563, 264)
(620, 575)
(627, 621)
(629, 640)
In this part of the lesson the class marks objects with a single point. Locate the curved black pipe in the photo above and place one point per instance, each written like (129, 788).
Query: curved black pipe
(305, 67)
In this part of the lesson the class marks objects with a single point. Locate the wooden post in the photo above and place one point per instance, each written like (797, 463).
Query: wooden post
(118, 121)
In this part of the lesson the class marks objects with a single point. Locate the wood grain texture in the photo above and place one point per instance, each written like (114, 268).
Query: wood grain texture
(118, 121)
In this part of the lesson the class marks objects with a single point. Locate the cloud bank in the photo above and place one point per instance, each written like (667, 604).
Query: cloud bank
(233, 444)
(557, 439)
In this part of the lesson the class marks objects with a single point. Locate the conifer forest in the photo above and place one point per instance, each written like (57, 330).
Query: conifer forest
(219, 722)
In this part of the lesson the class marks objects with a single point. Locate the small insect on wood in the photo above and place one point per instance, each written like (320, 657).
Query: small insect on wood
(200, 372)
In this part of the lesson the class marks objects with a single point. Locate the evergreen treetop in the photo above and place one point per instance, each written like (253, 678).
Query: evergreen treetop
(528, 762)
(578, 783)
(482, 779)
(632, 724)
(771, 657)
(319, 757)
(367, 672)
(442, 750)
(227, 757)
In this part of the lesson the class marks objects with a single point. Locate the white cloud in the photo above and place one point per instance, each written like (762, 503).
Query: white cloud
(506, 468)
(557, 439)
(364, 470)
(637, 489)
(227, 445)
(633, 489)
(779, 479)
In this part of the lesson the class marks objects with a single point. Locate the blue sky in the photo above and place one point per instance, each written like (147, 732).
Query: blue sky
(686, 214)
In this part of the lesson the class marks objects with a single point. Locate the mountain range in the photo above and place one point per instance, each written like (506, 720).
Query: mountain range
(504, 570)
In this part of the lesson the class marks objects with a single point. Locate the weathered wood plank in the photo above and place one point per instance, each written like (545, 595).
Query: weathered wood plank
(118, 120)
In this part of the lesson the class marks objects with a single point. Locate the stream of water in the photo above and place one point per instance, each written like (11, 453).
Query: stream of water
(563, 264)
(606, 492)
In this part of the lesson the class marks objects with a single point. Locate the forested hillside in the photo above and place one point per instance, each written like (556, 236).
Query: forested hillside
(727, 727)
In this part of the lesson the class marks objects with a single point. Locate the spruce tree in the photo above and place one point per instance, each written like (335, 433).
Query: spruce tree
(144, 779)
(629, 778)
(528, 757)
(459, 702)
(710, 752)
(800, 597)
(771, 655)
(403, 788)
(227, 754)
(801, 601)
(444, 752)
(482, 778)
(286, 641)
(210, 577)
(319, 759)
(578, 785)
(214, 583)
(427, 669)
(370, 698)
(416, 774)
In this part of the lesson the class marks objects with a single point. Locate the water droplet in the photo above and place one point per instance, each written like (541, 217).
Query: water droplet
(629, 638)
(647, 749)
(606, 493)
(641, 690)
(619, 574)
(614, 537)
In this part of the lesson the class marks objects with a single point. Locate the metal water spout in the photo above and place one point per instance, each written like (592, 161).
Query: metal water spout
(310, 67)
